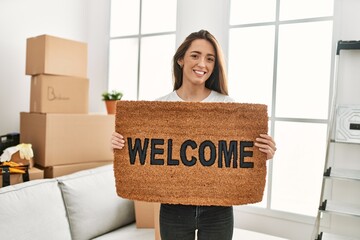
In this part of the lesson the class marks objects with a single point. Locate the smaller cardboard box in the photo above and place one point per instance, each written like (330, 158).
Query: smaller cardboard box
(59, 139)
(59, 94)
(157, 220)
(34, 173)
(47, 54)
(61, 170)
(144, 214)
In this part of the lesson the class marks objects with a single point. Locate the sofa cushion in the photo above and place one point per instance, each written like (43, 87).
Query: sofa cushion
(33, 210)
(92, 204)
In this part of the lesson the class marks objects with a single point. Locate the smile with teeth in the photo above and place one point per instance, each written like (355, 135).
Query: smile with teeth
(199, 72)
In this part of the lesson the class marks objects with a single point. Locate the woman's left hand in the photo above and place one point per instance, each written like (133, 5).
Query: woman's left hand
(266, 144)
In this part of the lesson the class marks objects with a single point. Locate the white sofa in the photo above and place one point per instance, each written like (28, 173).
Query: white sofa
(79, 206)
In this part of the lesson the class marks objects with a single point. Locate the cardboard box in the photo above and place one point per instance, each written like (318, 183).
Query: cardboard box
(59, 94)
(144, 214)
(157, 221)
(147, 215)
(34, 173)
(61, 170)
(59, 139)
(47, 54)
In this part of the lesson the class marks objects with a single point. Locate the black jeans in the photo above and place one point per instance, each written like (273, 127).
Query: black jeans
(179, 222)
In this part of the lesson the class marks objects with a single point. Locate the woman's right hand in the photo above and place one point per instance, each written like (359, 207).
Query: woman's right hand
(117, 141)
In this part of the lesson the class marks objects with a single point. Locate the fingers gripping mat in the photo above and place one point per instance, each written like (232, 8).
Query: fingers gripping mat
(191, 153)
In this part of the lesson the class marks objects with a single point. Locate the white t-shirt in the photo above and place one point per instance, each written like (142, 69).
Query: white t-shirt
(213, 97)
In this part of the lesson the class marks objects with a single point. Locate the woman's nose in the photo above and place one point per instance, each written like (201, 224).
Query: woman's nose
(201, 62)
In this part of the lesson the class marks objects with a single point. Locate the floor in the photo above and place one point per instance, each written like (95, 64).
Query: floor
(239, 234)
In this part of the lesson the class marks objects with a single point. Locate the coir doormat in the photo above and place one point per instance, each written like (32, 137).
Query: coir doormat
(191, 153)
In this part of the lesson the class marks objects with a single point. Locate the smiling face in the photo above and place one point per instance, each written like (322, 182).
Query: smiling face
(198, 62)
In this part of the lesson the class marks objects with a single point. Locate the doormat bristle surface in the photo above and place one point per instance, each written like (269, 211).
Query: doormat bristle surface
(191, 153)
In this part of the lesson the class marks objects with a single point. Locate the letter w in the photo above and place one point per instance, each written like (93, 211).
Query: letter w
(137, 149)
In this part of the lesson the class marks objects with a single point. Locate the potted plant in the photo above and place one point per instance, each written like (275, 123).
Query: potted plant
(110, 99)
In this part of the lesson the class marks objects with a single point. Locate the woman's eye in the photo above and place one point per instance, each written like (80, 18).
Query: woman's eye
(211, 59)
(194, 56)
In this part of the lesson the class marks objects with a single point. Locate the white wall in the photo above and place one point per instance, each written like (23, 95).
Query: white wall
(98, 32)
(81, 20)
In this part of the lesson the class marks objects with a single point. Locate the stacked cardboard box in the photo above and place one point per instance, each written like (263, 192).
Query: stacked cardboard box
(59, 81)
(64, 136)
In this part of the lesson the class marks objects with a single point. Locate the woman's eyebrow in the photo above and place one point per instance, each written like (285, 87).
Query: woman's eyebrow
(195, 52)
(198, 52)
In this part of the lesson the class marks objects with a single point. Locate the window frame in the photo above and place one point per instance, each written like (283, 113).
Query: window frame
(267, 210)
(139, 37)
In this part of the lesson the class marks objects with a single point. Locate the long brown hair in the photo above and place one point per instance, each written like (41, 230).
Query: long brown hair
(218, 79)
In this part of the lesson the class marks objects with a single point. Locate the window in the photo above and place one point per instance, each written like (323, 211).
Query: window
(280, 55)
(142, 43)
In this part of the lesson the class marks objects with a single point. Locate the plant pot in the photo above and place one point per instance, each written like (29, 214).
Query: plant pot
(111, 106)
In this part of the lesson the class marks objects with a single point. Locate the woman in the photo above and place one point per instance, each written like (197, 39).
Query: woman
(199, 74)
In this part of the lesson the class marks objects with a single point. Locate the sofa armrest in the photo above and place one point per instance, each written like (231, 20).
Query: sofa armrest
(92, 204)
